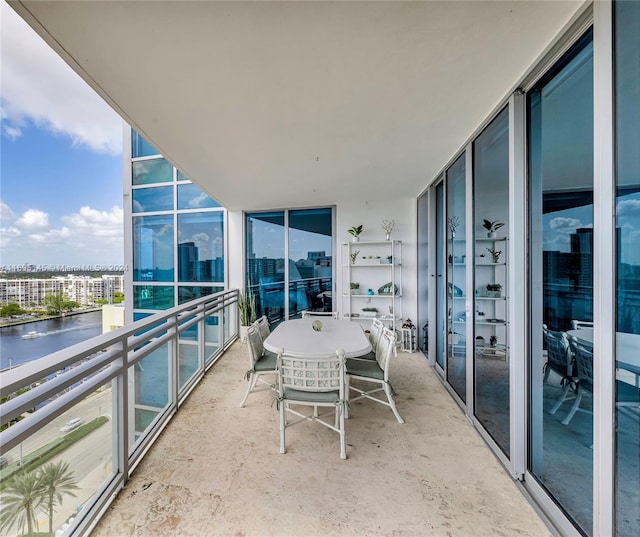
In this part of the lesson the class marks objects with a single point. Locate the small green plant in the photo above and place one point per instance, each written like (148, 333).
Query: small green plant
(247, 305)
(355, 285)
(493, 340)
(355, 231)
(371, 309)
(492, 226)
(354, 256)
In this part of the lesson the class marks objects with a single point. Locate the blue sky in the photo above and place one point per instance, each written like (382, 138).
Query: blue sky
(61, 159)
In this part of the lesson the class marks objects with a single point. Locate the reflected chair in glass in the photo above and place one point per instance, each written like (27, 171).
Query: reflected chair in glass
(584, 383)
(314, 382)
(376, 372)
(261, 362)
(560, 361)
(325, 314)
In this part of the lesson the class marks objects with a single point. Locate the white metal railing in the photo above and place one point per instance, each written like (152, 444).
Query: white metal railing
(182, 343)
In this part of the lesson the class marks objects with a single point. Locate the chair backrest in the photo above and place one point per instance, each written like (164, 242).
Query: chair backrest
(558, 353)
(254, 342)
(584, 363)
(386, 349)
(377, 326)
(332, 314)
(577, 324)
(263, 327)
(322, 374)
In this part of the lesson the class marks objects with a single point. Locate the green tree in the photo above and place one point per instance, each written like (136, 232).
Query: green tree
(70, 305)
(118, 297)
(56, 480)
(21, 497)
(102, 301)
(10, 310)
(55, 303)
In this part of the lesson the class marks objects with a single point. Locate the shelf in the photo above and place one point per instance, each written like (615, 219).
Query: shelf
(377, 295)
(356, 243)
(489, 239)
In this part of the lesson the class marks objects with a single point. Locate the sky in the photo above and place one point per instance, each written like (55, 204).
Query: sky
(60, 160)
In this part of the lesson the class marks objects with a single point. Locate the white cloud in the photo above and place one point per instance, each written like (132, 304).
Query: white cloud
(88, 236)
(33, 220)
(629, 207)
(566, 225)
(38, 86)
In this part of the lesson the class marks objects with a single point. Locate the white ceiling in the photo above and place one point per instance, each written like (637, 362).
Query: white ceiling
(286, 104)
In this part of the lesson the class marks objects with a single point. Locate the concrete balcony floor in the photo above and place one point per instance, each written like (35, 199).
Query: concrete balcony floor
(217, 470)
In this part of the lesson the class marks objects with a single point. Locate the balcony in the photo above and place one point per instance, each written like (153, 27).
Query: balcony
(212, 468)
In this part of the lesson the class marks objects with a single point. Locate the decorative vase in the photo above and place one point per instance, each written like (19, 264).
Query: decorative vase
(356, 238)
(491, 234)
(387, 235)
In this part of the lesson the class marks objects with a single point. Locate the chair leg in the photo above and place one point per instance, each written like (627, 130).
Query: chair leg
(392, 403)
(574, 408)
(343, 440)
(252, 383)
(282, 426)
(565, 392)
(346, 392)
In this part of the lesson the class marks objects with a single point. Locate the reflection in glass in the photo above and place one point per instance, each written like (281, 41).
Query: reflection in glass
(151, 383)
(491, 202)
(191, 197)
(140, 147)
(265, 262)
(310, 261)
(201, 247)
(441, 282)
(153, 297)
(423, 272)
(456, 285)
(153, 248)
(561, 278)
(627, 98)
(146, 200)
(191, 292)
(145, 172)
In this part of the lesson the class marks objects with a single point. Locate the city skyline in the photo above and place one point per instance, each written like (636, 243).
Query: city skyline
(55, 131)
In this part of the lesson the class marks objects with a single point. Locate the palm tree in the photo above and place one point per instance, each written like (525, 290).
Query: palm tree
(55, 480)
(21, 497)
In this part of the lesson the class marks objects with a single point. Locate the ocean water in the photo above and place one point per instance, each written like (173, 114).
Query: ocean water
(53, 335)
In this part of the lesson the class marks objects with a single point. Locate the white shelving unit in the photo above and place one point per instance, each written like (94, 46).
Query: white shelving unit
(372, 264)
(493, 303)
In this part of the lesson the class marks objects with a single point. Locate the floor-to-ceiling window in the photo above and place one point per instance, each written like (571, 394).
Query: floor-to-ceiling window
(627, 133)
(456, 277)
(302, 237)
(178, 252)
(423, 272)
(560, 109)
(491, 231)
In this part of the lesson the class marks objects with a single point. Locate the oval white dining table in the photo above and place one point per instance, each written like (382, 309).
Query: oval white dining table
(297, 336)
(628, 346)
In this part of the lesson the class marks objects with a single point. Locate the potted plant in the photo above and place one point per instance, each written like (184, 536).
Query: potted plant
(355, 232)
(495, 254)
(494, 290)
(355, 288)
(491, 227)
(247, 307)
(493, 341)
(370, 312)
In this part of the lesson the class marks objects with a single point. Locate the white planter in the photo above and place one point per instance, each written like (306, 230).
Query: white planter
(243, 333)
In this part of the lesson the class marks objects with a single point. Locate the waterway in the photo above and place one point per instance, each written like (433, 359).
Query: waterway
(52, 335)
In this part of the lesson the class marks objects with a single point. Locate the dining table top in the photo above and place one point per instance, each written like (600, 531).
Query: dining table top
(297, 336)
(627, 345)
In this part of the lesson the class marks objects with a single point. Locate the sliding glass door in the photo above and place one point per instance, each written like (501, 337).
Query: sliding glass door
(289, 261)
(560, 109)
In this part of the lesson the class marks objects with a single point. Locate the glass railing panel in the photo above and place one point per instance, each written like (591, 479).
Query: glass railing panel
(151, 387)
(72, 455)
(212, 334)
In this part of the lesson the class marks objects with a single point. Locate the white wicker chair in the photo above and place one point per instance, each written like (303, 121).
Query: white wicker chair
(313, 382)
(375, 371)
(263, 327)
(261, 362)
